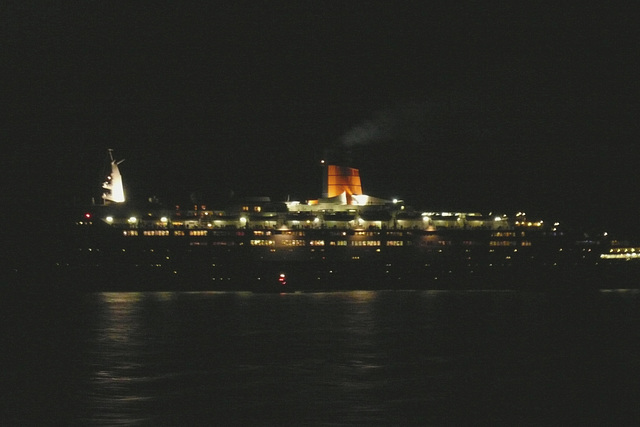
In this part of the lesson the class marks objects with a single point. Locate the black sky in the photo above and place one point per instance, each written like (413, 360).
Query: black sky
(472, 105)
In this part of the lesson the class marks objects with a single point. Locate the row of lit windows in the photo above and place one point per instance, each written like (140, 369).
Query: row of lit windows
(300, 242)
(293, 242)
(447, 223)
(529, 224)
(263, 242)
(155, 232)
(164, 233)
(255, 208)
(366, 243)
(293, 233)
(502, 243)
(261, 233)
(367, 233)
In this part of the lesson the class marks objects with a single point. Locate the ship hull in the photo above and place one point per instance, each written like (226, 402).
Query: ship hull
(104, 258)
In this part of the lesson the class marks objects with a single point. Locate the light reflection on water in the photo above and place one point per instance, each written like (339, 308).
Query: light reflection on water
(241, 343)
(343, 358)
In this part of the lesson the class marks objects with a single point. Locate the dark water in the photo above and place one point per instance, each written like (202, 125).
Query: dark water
(347, 358)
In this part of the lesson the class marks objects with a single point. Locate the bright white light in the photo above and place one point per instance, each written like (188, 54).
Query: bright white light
(133, 220)
(114, 185)
(360, 199)
(497, 218)
(395, 201)
(243, 220)
(164, 219)
(109, 219)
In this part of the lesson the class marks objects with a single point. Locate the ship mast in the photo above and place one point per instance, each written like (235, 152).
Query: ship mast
(113, 183)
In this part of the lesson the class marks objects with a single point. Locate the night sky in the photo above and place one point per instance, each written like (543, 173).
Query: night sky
(459, 106)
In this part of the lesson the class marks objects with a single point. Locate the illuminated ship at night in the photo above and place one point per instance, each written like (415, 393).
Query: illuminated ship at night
(344, 239)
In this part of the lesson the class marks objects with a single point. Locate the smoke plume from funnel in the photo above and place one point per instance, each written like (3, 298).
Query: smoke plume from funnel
(378, 128)
(407, 123)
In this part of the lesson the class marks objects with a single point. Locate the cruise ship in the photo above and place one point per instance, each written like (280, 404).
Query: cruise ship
(344, 239)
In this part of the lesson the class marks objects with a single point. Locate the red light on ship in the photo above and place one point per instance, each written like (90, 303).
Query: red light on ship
(282, 279)
(87, 215)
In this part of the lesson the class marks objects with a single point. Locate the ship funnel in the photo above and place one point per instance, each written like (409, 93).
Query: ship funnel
(342, 179)
(113, 183)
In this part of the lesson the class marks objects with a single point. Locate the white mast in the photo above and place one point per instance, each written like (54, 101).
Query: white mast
(113, 184)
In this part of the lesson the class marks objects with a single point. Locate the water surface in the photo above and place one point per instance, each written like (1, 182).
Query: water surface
(343, 358)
